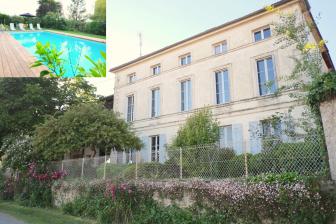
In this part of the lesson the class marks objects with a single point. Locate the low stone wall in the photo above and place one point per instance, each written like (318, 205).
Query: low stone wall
(328, 113)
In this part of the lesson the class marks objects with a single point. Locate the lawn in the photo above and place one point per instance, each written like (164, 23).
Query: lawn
(39, 215)
(80, 33)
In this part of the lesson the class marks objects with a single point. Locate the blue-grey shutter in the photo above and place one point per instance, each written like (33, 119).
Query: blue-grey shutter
(226, 85)
(145, 149)
(284, 137)
(255, 137)
(237, 138)
(189, 95)
(157, 102)
(162, 149)
(221, 137)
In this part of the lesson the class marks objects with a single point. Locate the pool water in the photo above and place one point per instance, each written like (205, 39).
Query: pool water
(74, 49)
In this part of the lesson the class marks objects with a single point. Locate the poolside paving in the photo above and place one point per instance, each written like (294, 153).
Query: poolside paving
(15, 60)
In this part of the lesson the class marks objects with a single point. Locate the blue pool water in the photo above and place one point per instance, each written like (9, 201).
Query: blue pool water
(74, 49)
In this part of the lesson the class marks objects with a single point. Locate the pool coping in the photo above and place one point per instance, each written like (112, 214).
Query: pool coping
(77, 35)
(63, 33)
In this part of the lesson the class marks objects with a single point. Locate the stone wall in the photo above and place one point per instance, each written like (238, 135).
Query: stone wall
(328, 113)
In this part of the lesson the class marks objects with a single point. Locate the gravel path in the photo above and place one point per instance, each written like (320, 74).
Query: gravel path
(7, 219)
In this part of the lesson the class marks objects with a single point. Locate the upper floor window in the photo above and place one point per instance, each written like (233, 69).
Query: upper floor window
(220, 47)
(262, 34)
(186, 95)
(266, 76)
(131, 78)
(130, 108)
(225, 138)
(156, 69)
(155, 148)
(222, 87)
(185, 59)
(155, 111)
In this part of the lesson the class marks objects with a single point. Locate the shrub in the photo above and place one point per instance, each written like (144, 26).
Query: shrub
(95, 27)
(115, 172)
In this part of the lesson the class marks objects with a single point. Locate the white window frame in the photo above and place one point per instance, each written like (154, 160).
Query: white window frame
(264, 59)
(222, 46)
(262, 33)
(187, 58)
(156, 69)
(155, 106)
(155, 149)
(131, 78)
(229, 86)
(131, 115)
(188, 102)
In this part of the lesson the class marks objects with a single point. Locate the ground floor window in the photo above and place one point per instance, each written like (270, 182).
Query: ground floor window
(155, 148)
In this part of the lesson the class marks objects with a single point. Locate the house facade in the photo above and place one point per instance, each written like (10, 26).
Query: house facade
(234, 70)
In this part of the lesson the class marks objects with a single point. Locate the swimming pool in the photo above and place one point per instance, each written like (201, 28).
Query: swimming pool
(74, 49)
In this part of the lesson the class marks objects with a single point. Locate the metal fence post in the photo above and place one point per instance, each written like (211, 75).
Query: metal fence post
(181, 169)
(104, 168)
(62, 167)
(82, 173)
(245, 160)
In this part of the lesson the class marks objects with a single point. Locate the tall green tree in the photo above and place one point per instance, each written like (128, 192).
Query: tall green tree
(46, 6)
(84, 126)
(199, 129)
(100, 10)
(25, 101)
(77, 10)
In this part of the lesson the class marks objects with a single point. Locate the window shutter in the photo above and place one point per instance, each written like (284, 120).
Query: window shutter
(237, 138)
(189, 95)
(255, 137)
(162, 149)
(221, 137)
(145, 149)
(284, 137)
(157, 102)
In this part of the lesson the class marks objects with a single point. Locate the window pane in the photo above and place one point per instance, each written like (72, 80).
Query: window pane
(261, 77)
(218, 85)
(218, 49)
(224, 47)
(267, 33)
(226, 86)
(271, 76)
(257, 36)
(182, 96)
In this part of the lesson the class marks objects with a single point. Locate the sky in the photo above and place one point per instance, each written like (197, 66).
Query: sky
(163, 22)
(17, 7)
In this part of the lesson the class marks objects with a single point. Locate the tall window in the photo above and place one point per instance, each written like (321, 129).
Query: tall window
(131, 78)
(155, 103)
(225, 140)
(271, 128)
(262, 34)
(266, 76)
(185, 59)
(222, 87)
(155, 148)
(130, 108)
(186, 95)
(156, 69)
(220, 48)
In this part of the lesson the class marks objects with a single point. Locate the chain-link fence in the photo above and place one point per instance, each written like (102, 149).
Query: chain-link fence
(303, 156)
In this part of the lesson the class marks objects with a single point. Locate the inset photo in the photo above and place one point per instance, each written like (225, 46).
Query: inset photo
(53, 38)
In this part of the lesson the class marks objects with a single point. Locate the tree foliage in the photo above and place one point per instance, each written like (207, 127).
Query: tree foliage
(46, 6)
(25, 102)
(199, 129)
(77, 10)
(100, 10)
(84, 126)
(18, 153)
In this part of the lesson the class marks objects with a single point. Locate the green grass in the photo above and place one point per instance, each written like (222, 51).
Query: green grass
(40, 215)
(80, 33)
